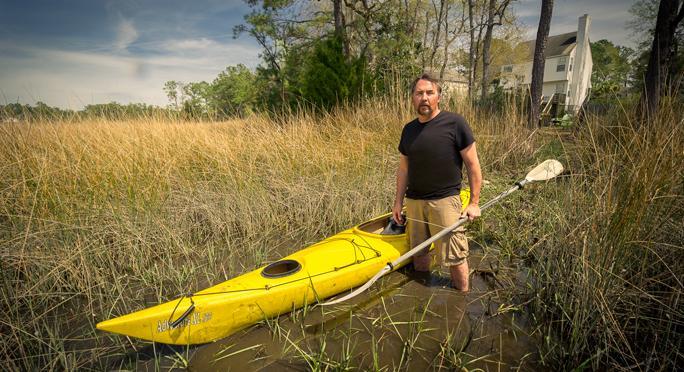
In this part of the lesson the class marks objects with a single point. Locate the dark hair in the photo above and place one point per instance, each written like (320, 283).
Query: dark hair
(429, 77)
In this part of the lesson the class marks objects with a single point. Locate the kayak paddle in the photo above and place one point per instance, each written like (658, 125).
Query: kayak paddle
(542, 172)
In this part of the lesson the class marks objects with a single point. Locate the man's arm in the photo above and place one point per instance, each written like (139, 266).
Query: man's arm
(402, 181)
(472, 163)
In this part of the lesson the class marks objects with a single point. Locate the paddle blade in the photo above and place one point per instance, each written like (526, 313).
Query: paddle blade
(545, 171)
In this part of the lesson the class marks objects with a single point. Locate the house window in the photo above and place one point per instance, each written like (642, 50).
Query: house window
(570, 66)
(561, 64)
(560, 88)
(508, 68)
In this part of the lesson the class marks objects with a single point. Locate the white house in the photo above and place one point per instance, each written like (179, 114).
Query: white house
(567, 71)
(455, 84)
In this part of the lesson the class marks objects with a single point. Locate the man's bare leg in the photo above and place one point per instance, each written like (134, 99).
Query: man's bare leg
(459, 276)
(422, 263)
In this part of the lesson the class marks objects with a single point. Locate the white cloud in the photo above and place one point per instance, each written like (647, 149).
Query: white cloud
(190, 44)
(133, 50)
(74, 79)
(126, 34)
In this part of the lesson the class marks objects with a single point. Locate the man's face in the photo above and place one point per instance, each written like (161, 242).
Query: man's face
(425, 98)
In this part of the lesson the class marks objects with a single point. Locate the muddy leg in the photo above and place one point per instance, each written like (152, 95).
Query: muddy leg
(459, 276)
(422, 263)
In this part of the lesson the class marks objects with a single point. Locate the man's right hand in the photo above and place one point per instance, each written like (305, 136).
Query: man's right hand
(396, 212)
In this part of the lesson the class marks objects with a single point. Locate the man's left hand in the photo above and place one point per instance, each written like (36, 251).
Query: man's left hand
(472, 211)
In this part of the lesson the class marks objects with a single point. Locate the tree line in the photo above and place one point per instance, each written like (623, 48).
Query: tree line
(324, 53)
(17, 112)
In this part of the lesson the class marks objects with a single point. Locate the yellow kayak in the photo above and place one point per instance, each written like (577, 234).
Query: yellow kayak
(341, 262)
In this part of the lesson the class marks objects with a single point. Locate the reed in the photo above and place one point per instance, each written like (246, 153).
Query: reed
(606, 247)
(100, 218)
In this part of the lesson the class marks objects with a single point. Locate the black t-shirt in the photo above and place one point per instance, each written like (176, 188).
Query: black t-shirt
(434, 158)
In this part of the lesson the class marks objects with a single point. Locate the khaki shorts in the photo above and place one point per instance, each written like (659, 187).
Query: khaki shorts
(428, 217)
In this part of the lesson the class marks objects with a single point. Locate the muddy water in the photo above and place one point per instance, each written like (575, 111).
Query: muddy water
(406, 322)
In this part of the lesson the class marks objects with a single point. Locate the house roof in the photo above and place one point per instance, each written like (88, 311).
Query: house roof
(556, 45)
(454, 77)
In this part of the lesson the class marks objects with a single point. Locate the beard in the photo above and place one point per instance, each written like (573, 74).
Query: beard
(424, 110)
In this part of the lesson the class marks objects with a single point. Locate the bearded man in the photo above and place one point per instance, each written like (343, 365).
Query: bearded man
(434, 147)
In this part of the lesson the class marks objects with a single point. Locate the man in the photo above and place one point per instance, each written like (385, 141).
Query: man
(434, 147)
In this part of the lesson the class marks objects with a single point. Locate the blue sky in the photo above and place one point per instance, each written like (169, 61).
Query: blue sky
(75, 52)
(608, 18)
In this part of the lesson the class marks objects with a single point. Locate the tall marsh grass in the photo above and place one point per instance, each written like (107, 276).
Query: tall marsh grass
(101, 218)
(608, 272)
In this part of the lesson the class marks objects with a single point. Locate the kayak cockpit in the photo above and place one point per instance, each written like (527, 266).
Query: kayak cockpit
(383, 225)
(281, 268)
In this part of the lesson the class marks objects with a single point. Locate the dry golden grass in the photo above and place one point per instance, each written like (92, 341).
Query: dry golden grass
(102, 218)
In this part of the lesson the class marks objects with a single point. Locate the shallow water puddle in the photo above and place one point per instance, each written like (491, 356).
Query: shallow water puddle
(407, 321)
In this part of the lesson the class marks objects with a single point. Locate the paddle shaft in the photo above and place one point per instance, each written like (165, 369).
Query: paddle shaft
(546, 170)
(391, 265)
